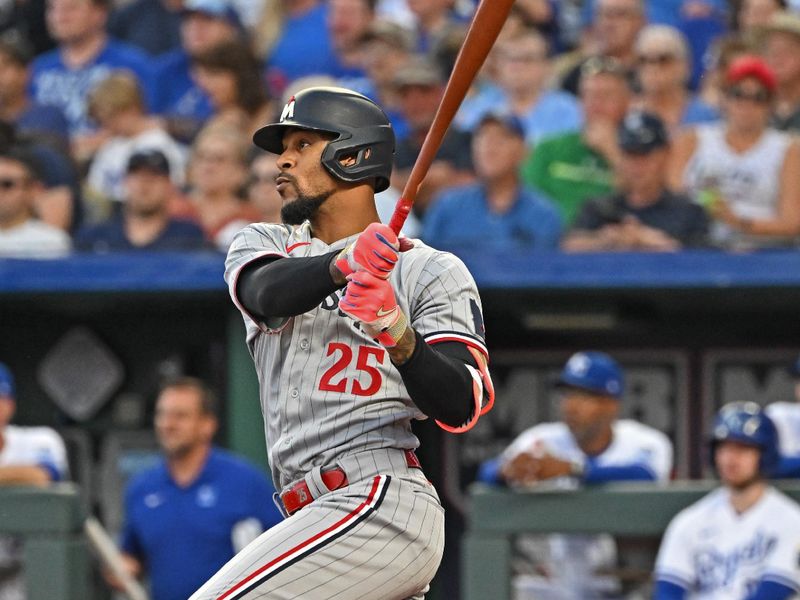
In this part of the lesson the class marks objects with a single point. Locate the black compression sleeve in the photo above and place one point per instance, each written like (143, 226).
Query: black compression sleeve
(285, 287)
(440, 385)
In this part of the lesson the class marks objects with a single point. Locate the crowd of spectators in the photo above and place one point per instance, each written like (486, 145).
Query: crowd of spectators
(89, 87)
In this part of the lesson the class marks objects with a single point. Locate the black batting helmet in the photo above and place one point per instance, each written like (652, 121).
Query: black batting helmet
(361, 128)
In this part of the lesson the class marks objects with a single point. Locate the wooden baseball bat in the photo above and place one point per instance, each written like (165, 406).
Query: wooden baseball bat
(111, 557)
(482, 33)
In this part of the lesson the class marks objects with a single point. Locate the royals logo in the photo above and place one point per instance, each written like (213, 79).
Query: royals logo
(288, 110)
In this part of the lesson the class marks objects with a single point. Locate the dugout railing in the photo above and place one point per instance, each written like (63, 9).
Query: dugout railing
(49, 521)
(496, 515)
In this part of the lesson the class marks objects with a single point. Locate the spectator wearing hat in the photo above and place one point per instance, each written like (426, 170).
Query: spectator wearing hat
(64, 76)
(575, 166)
(30, 118)
(385, 48)
(497, 211)
(22, 235)
(28, 456)
(144, 222)
(590, 445)
(643, 214)
(782, 54)
(184, 105)
(117, 105)
(420, 86)
(741, 169)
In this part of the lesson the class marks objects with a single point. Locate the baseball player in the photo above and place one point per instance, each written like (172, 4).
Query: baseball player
(741, 541)
(589, 446)
(352, 339)
(786, 416)
(28, 456)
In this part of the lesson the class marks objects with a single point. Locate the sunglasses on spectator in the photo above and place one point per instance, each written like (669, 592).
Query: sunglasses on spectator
(661, 58)
(760, 96)
(9, 183)
(597, 65)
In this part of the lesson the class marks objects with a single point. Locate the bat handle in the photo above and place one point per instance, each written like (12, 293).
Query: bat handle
(400, 214)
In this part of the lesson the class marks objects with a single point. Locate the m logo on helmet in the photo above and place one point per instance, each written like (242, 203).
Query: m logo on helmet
(288, 110)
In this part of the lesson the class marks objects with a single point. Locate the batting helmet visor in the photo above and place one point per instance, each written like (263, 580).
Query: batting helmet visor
(747, 423)
(363, 143)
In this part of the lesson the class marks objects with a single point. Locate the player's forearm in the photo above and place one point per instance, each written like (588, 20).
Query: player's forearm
(24, 475)
(287, 287)
(599, 474)
(439, 385)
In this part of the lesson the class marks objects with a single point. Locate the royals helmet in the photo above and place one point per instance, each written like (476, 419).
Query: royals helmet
(747, 423)
(362, 131)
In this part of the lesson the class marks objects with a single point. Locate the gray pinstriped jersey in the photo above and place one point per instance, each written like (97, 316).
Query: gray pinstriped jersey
(327, 389)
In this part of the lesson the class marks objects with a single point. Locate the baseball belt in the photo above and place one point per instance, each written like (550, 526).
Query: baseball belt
(298, 496)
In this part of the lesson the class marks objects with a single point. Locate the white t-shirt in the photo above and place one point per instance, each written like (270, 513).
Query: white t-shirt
(34, 239)
(717, 554)
(786, 416)
(27, 446)
(573, 560)
(632, 443)
(110, 164)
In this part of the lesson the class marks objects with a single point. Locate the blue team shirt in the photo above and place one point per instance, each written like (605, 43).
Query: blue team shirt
(304, 48)
(54, 83)
(554, 113)
(177, 94)
(110, 237)
(460, 216)
(183, 535)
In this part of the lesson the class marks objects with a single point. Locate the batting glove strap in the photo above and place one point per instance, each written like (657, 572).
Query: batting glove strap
(390, 335)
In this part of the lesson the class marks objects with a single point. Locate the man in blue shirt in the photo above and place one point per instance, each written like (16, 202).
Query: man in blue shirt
(187, 516)
(204, 24)
(85, 55)
(144, 222)
(497, 212)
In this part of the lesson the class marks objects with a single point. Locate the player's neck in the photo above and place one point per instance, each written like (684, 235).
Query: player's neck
(185, 468)
(598, 443)
(345, 214)
(742, 499)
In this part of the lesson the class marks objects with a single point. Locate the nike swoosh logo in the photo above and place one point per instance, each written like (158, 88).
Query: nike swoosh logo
(383, 313)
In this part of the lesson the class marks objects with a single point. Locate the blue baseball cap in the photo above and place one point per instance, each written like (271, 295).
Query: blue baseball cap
(6, 382)
(512, 123)
(595, 372)
(219, 9)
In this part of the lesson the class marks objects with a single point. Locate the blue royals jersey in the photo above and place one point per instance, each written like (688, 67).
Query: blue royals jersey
(56, 84)
(183, 535)
(714, 553)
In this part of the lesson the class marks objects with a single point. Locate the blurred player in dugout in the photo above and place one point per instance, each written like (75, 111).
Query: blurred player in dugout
(741, 541)
(28, 456)
(590, 445)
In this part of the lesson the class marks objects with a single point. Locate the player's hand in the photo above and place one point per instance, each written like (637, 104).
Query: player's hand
(371, 301)
(528, 469)
(376, 251)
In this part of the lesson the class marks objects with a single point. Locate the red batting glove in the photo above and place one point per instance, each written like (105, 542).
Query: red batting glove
(371, 301)
(375, 251)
